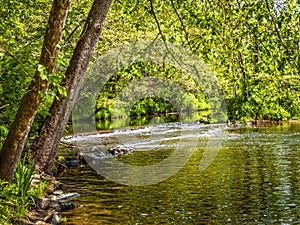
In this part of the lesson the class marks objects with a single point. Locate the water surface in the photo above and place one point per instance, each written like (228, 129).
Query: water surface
(254, 179)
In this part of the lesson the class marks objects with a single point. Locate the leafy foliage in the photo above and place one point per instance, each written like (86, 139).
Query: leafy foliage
(16, 197)
(21, 34)
(115, 86)
(252, 47)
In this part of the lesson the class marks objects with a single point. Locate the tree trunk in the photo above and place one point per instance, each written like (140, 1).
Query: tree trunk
(15, 141)
(46, 146)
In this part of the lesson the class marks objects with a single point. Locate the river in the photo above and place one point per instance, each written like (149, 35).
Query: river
(252, 176)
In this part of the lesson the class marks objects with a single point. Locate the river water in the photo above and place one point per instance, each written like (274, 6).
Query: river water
(251, 176)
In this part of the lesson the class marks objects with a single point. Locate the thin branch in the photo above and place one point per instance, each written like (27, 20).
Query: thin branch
(256, 38)
(182, 24)
(161, 33)
(156, 21)
(15, 58)
(4, 106)
(71, 34)
(278, 33)
(156, 37)
(275, 26)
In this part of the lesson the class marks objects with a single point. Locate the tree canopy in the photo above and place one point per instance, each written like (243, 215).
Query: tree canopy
(251, 46)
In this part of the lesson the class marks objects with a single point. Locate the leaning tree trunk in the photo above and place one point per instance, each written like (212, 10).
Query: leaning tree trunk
(15, 141)
(46, 146)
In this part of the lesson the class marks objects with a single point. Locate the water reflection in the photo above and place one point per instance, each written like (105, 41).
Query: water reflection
(136, 121)
(253, 180)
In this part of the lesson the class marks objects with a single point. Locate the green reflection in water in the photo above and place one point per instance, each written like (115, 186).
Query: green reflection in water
(151, 119)
(255, 179)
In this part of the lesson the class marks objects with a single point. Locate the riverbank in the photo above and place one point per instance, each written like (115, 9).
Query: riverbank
(261, 123)
(47, 209)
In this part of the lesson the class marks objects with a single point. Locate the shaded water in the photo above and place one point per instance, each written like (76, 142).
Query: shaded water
(254, 179)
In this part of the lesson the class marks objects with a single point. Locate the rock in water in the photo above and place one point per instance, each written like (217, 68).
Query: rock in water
(56, 220)
(65, 196)
(120, 150)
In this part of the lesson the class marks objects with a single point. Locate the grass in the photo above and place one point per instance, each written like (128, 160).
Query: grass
(17, 196)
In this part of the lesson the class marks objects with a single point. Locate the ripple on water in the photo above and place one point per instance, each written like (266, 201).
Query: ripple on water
(255, 178)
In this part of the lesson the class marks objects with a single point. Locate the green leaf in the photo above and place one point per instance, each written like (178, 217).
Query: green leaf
(62, 62)
(43, 71)
(61, 90)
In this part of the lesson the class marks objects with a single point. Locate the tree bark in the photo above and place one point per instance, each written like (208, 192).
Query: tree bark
(46, 146)
(15, 141)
